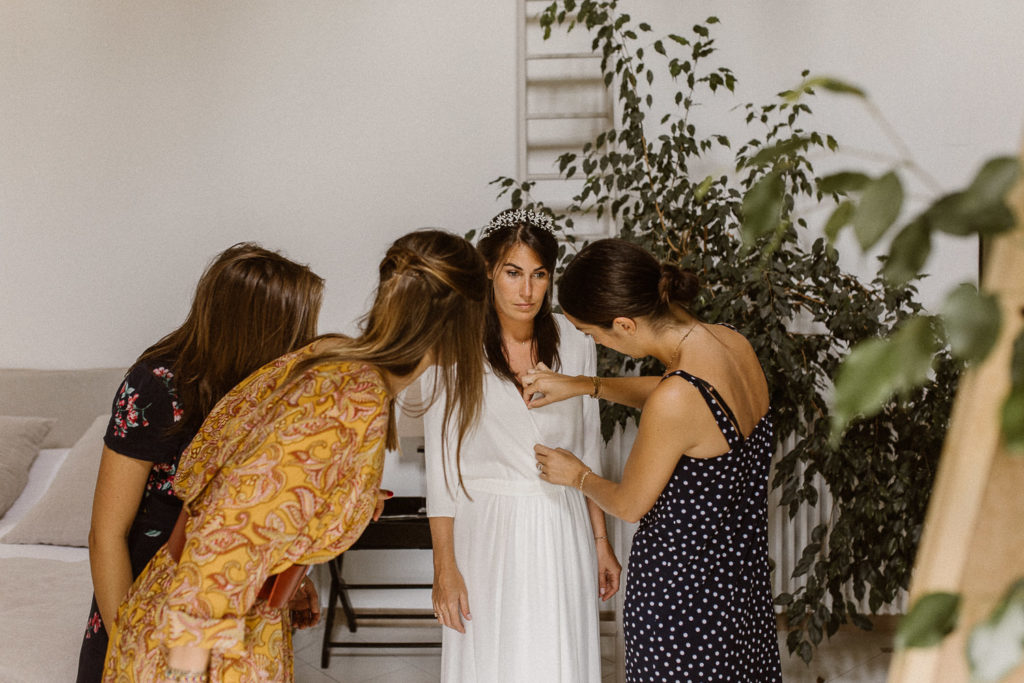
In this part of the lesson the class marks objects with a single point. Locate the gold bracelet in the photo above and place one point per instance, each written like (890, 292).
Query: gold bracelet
(600, 538)
(597, 386)
(186, 676)
(583, 478)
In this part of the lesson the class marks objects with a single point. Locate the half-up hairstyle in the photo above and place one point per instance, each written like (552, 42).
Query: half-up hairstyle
(506, 230)
(251, 305)
(430, 300)
(613, 278)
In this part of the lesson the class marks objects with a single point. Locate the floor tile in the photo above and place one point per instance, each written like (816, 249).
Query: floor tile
(431, 664)
(361, 668)
(864, 655)
(306, 673)
(308, 638)
(850, 656)
(875, 670)
(408, 674)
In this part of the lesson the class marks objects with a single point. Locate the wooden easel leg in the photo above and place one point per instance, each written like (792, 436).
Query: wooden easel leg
(973, 540)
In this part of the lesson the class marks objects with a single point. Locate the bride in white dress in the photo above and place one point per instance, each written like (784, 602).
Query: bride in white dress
(519, 564)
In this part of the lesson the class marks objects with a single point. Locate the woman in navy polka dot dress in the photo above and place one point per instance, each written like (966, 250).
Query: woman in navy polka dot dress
(698, 603)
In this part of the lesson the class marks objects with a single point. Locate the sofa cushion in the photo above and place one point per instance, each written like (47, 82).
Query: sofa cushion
(62, 516)
(20, 441)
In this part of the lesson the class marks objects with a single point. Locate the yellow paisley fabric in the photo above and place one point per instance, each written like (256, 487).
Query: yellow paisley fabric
(271, 480)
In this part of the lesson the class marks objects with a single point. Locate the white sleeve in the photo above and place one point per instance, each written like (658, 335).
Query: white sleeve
(593, 444)
(442, 495)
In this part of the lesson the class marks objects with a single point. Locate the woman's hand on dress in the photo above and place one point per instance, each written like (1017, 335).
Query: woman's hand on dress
(450, 598)
(542, 385)
(608, 570)
(558, 466)
(305, 605)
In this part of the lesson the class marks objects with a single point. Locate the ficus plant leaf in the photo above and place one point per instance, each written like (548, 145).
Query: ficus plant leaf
(877, 369)
(838, 220)
(843, 182)
(1012, 419)
(931, 618)
(878, 209)
(994, 181)
(981, 208)
(1013, 408)
(996, 646)
(957, 214)
(701, 190)
(1017, 361)
(762, 208)
(826, 83)
(972, 320)
(773, 152)
(908, 252)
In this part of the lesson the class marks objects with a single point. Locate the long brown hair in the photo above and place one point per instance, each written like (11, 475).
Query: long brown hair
(251, 305)
(430, 300)
(495, 245)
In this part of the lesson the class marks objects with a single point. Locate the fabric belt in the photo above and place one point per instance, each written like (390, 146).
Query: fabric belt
(513, 487)
(277, 590)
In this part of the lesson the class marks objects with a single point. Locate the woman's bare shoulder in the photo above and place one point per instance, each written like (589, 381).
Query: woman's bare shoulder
(674, 394)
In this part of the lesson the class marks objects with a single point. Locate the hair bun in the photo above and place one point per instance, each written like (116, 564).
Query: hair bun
(677, 286)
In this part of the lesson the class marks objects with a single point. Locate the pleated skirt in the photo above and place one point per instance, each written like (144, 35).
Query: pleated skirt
(526, 552)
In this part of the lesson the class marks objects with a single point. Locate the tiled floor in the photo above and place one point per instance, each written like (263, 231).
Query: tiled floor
(851, 656)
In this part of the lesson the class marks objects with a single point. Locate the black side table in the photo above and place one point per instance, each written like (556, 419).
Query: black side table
(402, 526)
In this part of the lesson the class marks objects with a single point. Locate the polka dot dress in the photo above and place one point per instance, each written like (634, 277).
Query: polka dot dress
(698, 601)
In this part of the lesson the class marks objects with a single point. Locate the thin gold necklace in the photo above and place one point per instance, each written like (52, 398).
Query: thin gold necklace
(679, 346)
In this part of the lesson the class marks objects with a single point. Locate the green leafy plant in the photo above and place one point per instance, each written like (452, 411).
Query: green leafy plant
(968, 324)
(931, 619)
(741, 232)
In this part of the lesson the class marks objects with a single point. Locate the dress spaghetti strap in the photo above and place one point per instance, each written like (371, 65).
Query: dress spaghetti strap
(724, 417)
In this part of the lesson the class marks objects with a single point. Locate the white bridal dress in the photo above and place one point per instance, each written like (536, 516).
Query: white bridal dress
(525, 547)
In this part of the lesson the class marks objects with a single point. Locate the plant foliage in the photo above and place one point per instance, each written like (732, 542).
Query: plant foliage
(741, 232)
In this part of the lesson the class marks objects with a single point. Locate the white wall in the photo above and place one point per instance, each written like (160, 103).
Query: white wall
(139, 139)
(945, 74)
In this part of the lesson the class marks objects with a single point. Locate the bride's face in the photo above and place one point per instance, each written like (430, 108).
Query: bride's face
(520, 284)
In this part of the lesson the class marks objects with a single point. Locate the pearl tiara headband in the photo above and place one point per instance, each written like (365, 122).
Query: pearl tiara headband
(514, 217)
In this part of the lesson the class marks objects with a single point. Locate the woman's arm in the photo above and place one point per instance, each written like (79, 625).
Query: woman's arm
(187, 659)
(119, 488)
(451, 601)
(662, 438)
(608, 567)
(554, 387)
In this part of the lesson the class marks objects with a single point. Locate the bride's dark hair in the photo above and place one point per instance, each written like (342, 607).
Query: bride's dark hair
(494, 246)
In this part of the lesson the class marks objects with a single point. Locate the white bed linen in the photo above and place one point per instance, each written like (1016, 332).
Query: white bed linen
(44, 593)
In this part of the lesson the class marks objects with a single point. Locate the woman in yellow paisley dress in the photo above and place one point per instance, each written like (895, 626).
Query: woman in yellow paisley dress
(286, 470)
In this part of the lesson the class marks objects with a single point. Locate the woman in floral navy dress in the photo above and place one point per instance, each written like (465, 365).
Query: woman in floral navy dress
(250, 306)
(698, 599)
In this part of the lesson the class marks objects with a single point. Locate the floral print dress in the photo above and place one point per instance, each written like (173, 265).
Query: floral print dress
(273, 479)
(145, 407)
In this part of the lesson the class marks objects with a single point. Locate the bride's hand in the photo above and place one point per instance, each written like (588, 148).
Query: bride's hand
(542, 385)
